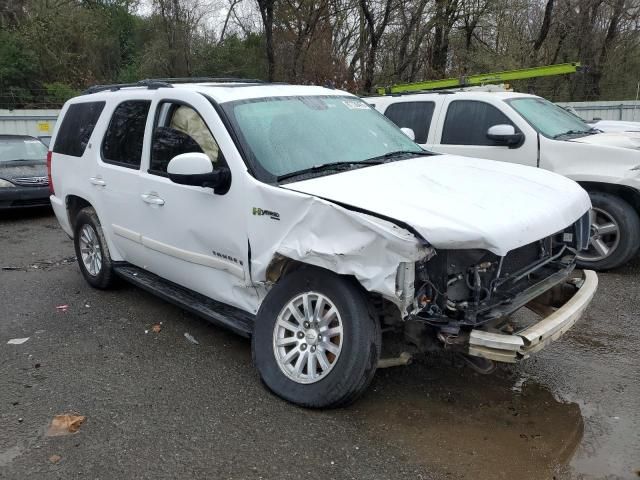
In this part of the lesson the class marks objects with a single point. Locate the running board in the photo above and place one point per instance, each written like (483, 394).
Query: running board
(233, 318)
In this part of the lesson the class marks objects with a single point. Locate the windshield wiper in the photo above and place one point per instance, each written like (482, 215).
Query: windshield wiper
(387, 157)
(576, 132)
(327, 166)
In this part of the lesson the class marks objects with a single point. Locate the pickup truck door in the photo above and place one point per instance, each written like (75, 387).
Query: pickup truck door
(462, 125)
(194, 237)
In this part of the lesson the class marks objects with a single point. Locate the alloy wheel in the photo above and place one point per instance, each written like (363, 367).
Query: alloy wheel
(90, 250)
(307, 337)
(604, 236)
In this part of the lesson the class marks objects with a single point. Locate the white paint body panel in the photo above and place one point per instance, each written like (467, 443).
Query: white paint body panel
(460, 202)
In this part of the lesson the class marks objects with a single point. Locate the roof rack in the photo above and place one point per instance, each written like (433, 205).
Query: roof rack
(155, 83)
(205, 80)
(482, 79)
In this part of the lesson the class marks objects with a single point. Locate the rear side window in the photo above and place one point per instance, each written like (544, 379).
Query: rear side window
(467, 123)
(76, 128)
(124, 138)
(414, 115)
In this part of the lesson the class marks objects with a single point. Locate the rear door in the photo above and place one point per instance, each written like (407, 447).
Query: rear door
(115, 178)
(416, 115)
(462, 130)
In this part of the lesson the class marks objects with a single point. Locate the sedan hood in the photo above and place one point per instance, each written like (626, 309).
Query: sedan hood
(618, 139)
(459, 202)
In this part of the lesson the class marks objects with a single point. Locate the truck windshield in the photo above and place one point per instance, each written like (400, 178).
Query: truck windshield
(284, 135)
(549, 119)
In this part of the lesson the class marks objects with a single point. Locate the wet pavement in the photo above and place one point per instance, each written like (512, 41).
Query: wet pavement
(159, 406)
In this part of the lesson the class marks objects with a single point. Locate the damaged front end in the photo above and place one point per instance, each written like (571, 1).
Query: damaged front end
(468, 297)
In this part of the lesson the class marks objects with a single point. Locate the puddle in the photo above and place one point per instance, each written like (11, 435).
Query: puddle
(472, 426)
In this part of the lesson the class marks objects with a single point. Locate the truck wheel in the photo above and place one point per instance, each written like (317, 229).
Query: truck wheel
(315, 341)
(92, 251)
(615, 233)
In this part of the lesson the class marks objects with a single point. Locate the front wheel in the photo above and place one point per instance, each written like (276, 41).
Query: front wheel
(615, 233)
(315, 342)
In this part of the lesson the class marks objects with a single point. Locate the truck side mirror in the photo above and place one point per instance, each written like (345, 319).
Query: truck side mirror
(409, 133)
(505, 135)
(196, 169)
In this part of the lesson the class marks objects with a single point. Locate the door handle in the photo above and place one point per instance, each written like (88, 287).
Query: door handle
(152, 199)
(98, 181)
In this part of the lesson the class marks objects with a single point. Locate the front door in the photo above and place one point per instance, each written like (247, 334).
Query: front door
(464, 132)
(194, 237)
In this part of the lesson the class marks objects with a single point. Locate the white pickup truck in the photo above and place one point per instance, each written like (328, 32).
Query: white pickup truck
(526, 129)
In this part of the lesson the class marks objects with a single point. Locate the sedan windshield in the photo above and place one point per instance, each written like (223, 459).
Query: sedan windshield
(15, 149)
(550, 119)
(283, 136)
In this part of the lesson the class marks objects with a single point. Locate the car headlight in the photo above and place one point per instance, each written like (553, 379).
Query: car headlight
(5, 183)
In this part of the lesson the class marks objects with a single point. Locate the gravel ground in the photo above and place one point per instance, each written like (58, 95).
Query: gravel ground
(158, 406)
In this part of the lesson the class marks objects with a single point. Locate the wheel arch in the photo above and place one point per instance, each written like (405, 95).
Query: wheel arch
(382, 308)
(74, 204)
(628, 194)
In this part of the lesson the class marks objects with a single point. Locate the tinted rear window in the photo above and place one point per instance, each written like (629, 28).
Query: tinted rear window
(413, 115)
(77, 127)
(125, 135)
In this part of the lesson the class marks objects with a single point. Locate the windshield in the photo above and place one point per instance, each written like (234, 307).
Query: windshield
(281, 135)
(549, 119)
(17, 149)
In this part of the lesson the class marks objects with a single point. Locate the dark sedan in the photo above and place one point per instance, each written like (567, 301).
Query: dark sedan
(23, 172)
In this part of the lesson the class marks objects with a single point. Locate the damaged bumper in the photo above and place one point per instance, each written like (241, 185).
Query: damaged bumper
(519, 345)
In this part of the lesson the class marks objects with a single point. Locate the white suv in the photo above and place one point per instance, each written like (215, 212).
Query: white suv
(525, 129)
(303, 218)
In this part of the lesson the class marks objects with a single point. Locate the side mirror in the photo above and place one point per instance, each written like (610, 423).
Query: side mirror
(505, 135)
(409, 133)
(195, 169)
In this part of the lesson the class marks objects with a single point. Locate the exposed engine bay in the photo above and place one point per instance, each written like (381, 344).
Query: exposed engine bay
(469, 288)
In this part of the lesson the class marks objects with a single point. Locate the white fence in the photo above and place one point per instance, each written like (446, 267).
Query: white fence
(628, 110)
(28, 122)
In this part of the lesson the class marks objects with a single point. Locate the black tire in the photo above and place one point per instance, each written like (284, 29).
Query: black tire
(357, 362)
(629, 232)
(105, 277)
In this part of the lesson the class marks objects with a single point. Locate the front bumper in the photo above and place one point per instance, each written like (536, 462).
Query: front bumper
(21, 197)
(519, 345)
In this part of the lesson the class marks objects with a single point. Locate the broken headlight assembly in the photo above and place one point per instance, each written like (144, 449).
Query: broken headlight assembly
(458, 288)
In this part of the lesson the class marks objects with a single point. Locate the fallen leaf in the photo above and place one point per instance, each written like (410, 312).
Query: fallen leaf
(156, 328)
(55, 458)
(65, 424)
(17, 341)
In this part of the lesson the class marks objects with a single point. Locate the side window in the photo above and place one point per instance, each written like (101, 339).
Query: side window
(124, 138)
(76, 128)
(180, 129)
(467, 122)
(414, 115)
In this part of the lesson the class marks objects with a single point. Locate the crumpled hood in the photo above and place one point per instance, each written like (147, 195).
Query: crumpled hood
(612, 139)
(460, 202)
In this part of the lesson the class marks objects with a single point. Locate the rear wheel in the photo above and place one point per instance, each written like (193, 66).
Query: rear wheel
(92, 251)
(615, 233)
(315, 342)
